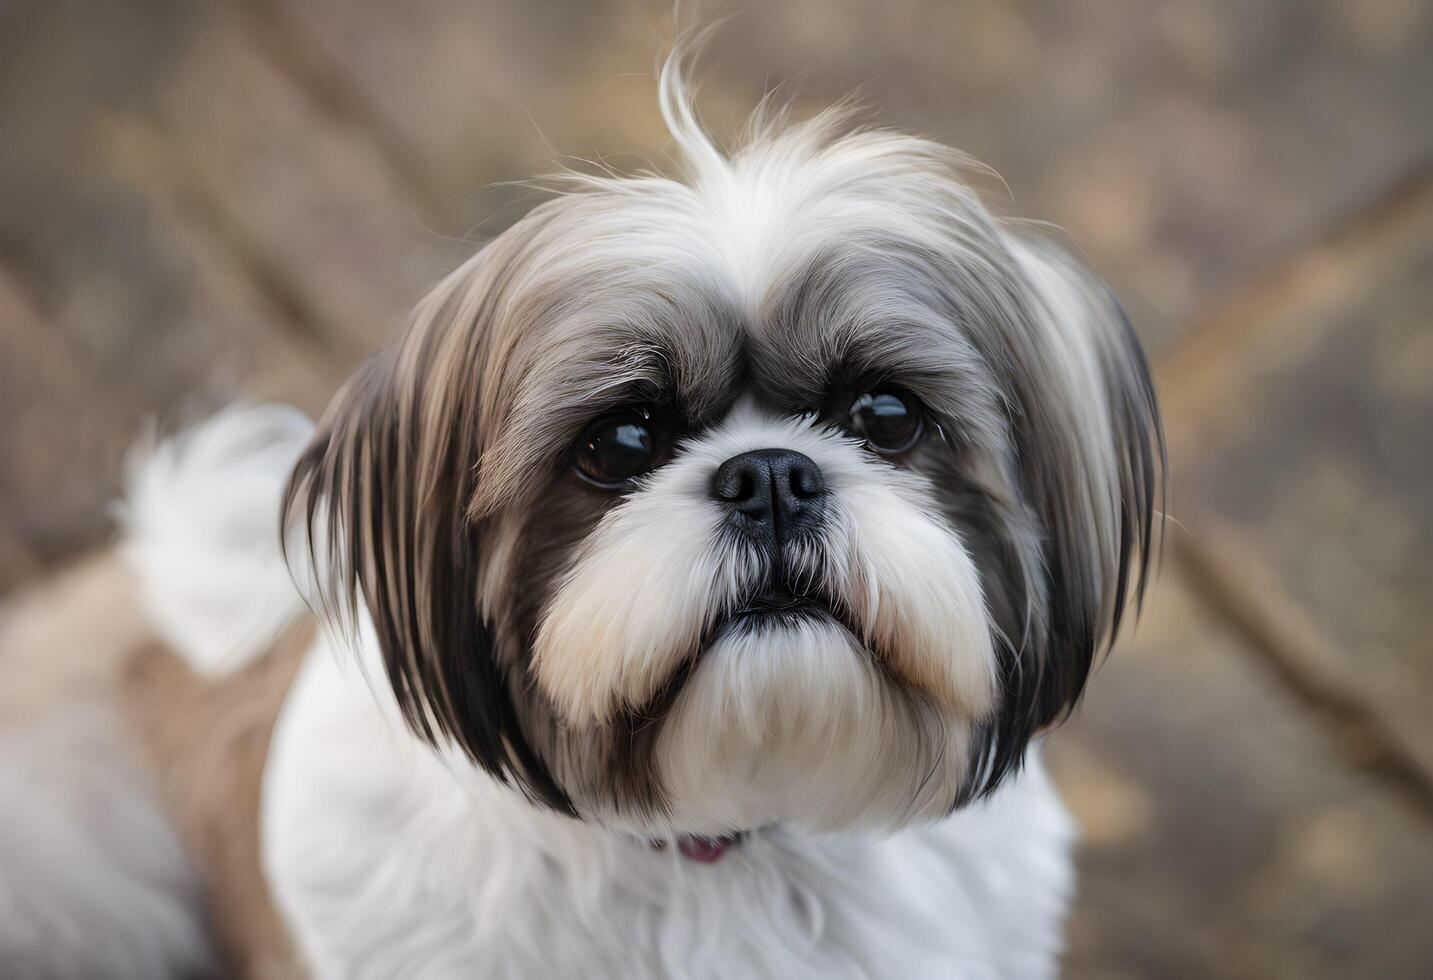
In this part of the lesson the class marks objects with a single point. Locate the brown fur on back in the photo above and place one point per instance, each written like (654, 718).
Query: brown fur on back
(206, 740)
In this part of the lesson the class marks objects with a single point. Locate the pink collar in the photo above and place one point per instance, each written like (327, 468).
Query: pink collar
(707, 850)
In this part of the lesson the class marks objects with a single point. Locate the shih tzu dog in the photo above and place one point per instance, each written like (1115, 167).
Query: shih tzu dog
(700, 565)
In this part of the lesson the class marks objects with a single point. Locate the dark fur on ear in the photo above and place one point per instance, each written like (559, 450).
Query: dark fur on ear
(1091, 460)
(383, 498)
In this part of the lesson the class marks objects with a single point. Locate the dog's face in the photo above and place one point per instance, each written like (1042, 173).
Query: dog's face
(800, 491)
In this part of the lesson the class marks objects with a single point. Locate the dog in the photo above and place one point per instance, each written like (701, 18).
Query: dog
(699, 570)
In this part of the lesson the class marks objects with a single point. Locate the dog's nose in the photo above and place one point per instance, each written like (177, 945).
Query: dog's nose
(774, 493)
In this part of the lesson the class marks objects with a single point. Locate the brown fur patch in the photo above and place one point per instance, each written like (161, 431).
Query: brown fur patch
(206, 741)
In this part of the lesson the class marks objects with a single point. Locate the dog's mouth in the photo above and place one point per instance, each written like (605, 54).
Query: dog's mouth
(779, 603)
(783, 603)
(785, 600)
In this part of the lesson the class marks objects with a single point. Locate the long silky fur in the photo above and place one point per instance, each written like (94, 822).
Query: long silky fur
(383, 502)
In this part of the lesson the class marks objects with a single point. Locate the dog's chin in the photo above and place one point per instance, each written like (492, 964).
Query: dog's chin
(788, 719)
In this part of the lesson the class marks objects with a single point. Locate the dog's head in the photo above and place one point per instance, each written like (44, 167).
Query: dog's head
(799, 489)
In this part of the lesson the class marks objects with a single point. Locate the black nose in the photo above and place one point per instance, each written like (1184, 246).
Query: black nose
(773, 493)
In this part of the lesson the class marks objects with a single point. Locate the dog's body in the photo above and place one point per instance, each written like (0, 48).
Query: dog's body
(384, 868)
(700, 566)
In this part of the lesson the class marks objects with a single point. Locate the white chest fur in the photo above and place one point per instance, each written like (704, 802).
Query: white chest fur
(388, 863)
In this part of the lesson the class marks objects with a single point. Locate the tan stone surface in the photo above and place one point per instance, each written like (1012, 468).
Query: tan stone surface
(118, 303)
(1224, 835)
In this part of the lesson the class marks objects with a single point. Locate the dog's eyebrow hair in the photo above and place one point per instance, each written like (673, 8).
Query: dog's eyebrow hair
(552, 406)
(564, 418)
(877, 313)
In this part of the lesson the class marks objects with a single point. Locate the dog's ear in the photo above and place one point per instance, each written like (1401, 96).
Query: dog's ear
(381, 495)
(1091, 463)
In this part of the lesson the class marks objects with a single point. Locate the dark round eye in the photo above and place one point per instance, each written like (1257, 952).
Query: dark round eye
(889, 420)
(616, 448)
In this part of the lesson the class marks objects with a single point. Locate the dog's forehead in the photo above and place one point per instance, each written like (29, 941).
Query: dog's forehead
(683, 328)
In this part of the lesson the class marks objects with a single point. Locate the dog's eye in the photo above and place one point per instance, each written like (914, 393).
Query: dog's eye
(889, 420)
(616, 448)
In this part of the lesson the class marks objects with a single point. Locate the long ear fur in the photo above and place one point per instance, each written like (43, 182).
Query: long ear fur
(1092, 462)
(382, 494)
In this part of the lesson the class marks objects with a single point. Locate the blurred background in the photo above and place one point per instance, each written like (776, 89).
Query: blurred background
(204, 201)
